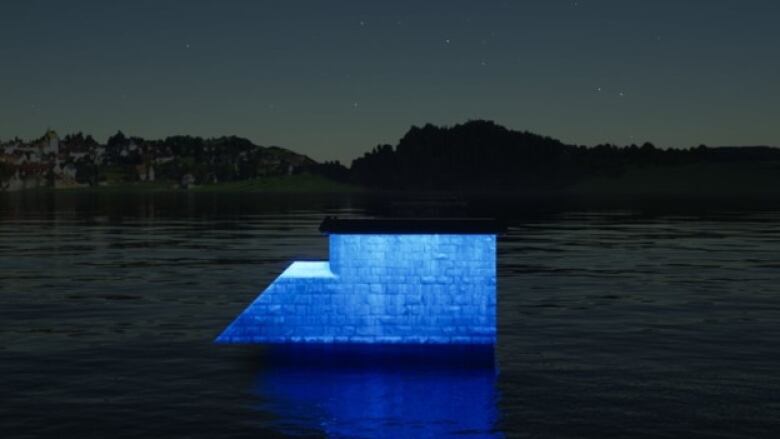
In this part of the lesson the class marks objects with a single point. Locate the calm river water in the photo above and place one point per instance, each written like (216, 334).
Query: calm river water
(612, 323)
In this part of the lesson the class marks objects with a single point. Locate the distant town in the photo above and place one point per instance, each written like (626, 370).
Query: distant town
(77, 160)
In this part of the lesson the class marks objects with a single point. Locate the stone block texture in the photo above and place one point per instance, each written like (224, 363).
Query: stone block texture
(404, 288)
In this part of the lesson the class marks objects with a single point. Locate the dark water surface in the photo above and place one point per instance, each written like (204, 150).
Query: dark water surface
(612, 323)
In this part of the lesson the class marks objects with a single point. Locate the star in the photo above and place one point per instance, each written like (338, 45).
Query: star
(354, 105)
(598, 89)
(447, 41)
(621, 94)
(362, 23)
(187, 46)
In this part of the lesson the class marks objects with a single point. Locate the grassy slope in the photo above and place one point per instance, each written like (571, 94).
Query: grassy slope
(753, 180)
(705, 179)
(303, 183)
(307, 183)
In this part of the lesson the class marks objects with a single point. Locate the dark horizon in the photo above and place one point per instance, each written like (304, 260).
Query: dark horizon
(331, 80)
(477, 156)
(370, 147)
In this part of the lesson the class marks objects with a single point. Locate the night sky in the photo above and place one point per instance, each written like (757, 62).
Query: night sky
(331, 79)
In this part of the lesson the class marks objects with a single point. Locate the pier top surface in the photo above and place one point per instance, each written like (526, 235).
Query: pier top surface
(408, 226)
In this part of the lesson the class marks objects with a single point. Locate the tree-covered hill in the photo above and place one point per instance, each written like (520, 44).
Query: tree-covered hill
(481, 156)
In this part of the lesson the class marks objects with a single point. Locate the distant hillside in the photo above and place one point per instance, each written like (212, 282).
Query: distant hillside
(476, 153)
(478, 157)
(481, 156)
(78, 160)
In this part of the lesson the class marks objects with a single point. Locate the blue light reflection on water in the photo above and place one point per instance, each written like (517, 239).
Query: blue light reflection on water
(381, 396)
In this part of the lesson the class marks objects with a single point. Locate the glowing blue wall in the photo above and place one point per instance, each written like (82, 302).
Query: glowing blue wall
(380, 289)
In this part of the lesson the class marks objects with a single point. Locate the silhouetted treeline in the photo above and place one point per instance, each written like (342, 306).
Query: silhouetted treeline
(333, 170)
(481, 155)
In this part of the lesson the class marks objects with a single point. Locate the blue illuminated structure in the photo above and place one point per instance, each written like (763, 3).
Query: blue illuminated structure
(387, 282)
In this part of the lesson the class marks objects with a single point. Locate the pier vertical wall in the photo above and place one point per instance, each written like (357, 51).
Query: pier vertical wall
(381, 288)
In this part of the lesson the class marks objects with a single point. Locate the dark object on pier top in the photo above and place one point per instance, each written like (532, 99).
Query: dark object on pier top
(410, 226)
